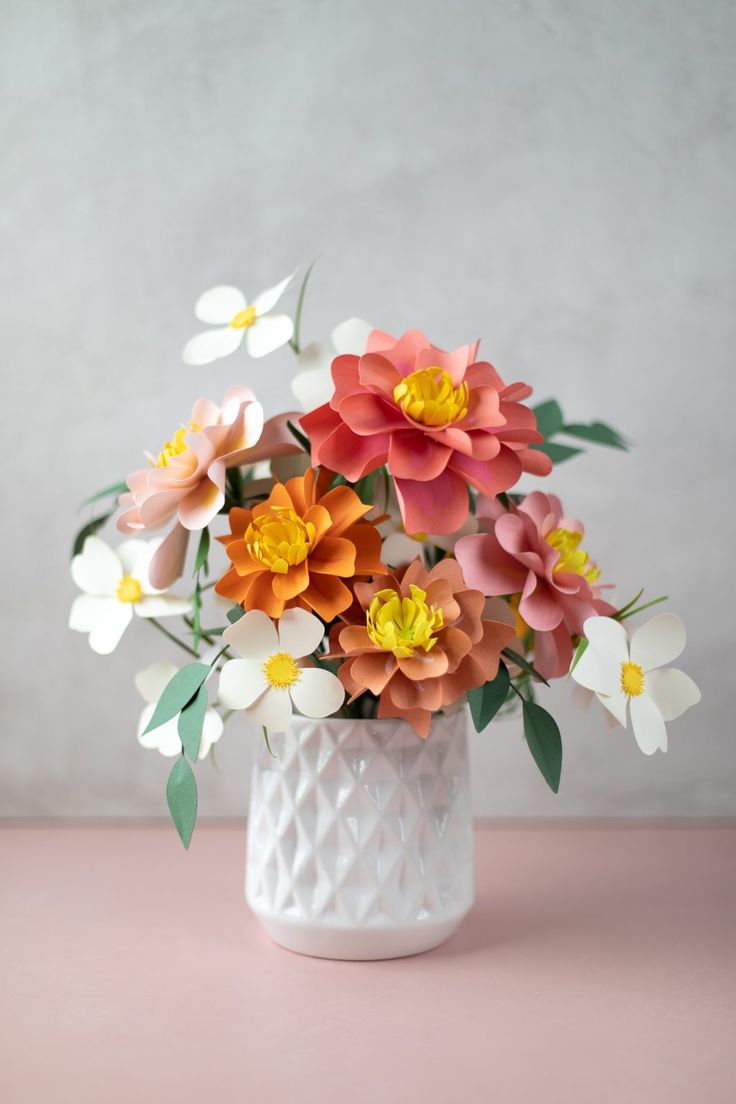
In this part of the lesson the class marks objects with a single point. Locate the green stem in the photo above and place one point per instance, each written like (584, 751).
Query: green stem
(170, 635)
(647, 605)
(295, 340)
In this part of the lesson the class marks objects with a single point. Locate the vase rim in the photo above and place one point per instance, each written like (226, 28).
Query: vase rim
(382, 723)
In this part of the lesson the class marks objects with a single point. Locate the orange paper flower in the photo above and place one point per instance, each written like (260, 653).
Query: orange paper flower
(295, 548)
(421, 644)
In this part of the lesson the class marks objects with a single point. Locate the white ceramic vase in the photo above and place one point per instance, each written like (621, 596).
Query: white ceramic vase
(360, 840)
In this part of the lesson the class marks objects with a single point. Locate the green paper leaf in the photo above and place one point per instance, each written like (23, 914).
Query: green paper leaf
(114, 489)
(299, 437)
(557, 453)
(524, 664)
(549, 417)
(181, 795)
(578, 654)
(89, 530)
(191, 720)
(545, 743)
(597, 432)
(203, 550)
(178, 692)
(235, 614)
(299, 308)
(485, 701)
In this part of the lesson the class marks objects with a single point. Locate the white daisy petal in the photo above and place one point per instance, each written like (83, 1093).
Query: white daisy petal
(162, 605)
(615, 704)
(88, 611)
(211, 345)
(672, 691)
(318, 693)
(165, 738)
(648, 724)
(272, 710)
(219, 305)
(254, 635)
(351, 336)
(211, 732)
(131, 553)
(609, 639)
(268, 299)
(96, 569)
(597, 672)
(399, 548)
(268, 333)
(105, 636)
(241, 682)
(313, 388)
(315, 355)
(152, 682)
(658, 642)
(300, 633)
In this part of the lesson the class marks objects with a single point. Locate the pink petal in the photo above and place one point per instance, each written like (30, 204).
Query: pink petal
(487, 567)
(353, 456)
(367, 413)
(414, 455)
(488, 476)
(167, 563)
(437, 506)
(201, 505)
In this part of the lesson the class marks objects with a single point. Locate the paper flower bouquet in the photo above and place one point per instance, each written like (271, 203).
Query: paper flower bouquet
(368, 560)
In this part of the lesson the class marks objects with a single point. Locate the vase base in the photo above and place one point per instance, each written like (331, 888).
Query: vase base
(358, 944)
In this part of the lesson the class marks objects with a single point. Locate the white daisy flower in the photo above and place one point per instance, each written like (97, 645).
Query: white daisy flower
(115, 585)
(633, 674)
(313, 384)
(228, 309)
(151, 684)
(268, 680)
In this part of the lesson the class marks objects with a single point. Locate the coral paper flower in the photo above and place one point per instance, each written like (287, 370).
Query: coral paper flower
(151, 684)
(312, 385)
(297, 547)
(228, 309)
(634, 674)
(439, 420)
(533, 551)
(421, 644)
(115, 585)
(268, 677)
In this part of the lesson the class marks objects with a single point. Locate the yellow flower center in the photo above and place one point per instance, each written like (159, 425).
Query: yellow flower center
(572, 558)
(281, 670)
(129, 590)
(279, 539)
(632, 679)
(401, 625)
(429, 397)
(176, 446)
(243, 319)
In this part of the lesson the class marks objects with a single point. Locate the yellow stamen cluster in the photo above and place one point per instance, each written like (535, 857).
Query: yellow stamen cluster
(129, 590)
(176, 446)
(280, 539)
(632, 679)
(243, 319)
(401, 625)
(281, 670)
(572, 558)
(428, 396)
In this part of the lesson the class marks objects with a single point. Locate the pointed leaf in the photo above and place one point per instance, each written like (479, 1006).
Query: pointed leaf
(181, 795)
(89, 530)
(582, 645)
(114, 489)
(191, 720)
(557, 453)
(598, 432)
(235, 614)
(299, 437)
(178, 692)
(203, 550)
(485, 701)
(549, 418)
(525, 665)
(545, 743)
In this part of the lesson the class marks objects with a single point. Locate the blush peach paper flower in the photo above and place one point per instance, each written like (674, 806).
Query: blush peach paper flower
(421, 644)
(533, 551)
(439, 420)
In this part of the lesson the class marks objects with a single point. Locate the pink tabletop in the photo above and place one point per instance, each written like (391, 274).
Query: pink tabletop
(599, 965)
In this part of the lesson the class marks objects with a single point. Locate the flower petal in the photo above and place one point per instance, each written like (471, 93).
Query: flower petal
(272, 710)
(268, 299)
(268, 333)
(211, 732)
(351, 336)
(318, 693)
(241, 682)
(615, 704)
(312, 388)
(672, 691)
(162, 605)
(659, 641)
(97, 569)
(152, 682)
(253, 636)
(300, 633)
(648, 724)
(106, 634)
(165, 738)
(609, 639)
(211, 345)
(219, 305)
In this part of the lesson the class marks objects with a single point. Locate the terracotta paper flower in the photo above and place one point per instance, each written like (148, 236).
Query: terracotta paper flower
(439, 420)
(533, 552)
(421, 644)
(632, 675)
(297, 547)
(235, 318)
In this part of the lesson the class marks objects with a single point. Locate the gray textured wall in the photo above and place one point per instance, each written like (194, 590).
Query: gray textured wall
(556, 176)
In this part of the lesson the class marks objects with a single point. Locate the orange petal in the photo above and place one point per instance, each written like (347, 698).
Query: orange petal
(279, 497)
(355, 638)
(260, 595)
(292, 583)
(372, 670)
(367, 542)
(424, 665)
(327, 595)
(419, 719)
(344, 507)
(334, 556)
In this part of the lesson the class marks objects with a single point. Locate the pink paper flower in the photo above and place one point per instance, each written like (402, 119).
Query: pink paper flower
(533, 551)
(439, 420)
(186, 481)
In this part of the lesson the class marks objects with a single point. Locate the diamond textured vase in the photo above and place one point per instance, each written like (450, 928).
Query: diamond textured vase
(360, 840)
